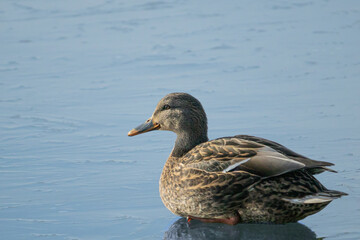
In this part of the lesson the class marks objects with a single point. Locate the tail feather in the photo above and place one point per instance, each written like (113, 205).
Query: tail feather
(333, 193)
(321, 197)
(318, 170)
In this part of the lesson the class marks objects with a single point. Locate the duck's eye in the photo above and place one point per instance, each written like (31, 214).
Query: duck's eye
(166, 107)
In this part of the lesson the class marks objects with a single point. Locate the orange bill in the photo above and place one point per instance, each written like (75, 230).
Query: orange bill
(145, 127)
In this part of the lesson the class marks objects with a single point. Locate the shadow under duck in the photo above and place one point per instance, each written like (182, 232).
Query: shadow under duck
(239, 179)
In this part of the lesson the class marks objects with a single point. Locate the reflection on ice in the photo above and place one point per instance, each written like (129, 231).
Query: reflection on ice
(198, 230)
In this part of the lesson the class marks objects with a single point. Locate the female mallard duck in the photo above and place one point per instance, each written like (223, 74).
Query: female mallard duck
(232, 179)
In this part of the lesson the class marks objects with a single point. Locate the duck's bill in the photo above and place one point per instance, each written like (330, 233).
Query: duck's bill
(148, 126)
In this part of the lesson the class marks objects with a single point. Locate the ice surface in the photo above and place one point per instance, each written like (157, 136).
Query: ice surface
(76, 76)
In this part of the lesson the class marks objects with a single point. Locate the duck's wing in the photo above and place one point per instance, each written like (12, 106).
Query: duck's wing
(313, 166)
(231, 154)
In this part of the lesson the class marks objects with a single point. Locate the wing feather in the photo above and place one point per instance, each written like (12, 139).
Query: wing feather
(232, 154)
(313, 166)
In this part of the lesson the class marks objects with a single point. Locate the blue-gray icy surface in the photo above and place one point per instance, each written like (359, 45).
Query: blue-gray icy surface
(76, 76)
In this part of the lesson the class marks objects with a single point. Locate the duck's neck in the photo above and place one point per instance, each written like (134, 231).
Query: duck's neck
(186, 141)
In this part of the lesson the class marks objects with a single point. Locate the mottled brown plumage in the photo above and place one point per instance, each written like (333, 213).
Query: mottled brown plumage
(232, 179)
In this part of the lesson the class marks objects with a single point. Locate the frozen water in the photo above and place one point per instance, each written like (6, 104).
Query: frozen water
(76, 76)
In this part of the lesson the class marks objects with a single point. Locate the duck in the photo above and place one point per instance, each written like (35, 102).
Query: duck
(236, 179)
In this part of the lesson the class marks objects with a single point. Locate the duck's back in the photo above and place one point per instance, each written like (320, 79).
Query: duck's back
(253, 154)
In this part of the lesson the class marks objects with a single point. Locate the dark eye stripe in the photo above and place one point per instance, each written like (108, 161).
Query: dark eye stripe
(166, 106)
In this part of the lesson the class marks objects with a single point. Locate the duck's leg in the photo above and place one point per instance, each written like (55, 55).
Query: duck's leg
(230, 221)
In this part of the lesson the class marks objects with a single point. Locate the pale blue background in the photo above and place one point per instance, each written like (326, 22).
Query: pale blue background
(76, 76)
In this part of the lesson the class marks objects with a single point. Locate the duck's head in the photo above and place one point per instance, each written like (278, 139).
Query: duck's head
(177, 112)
